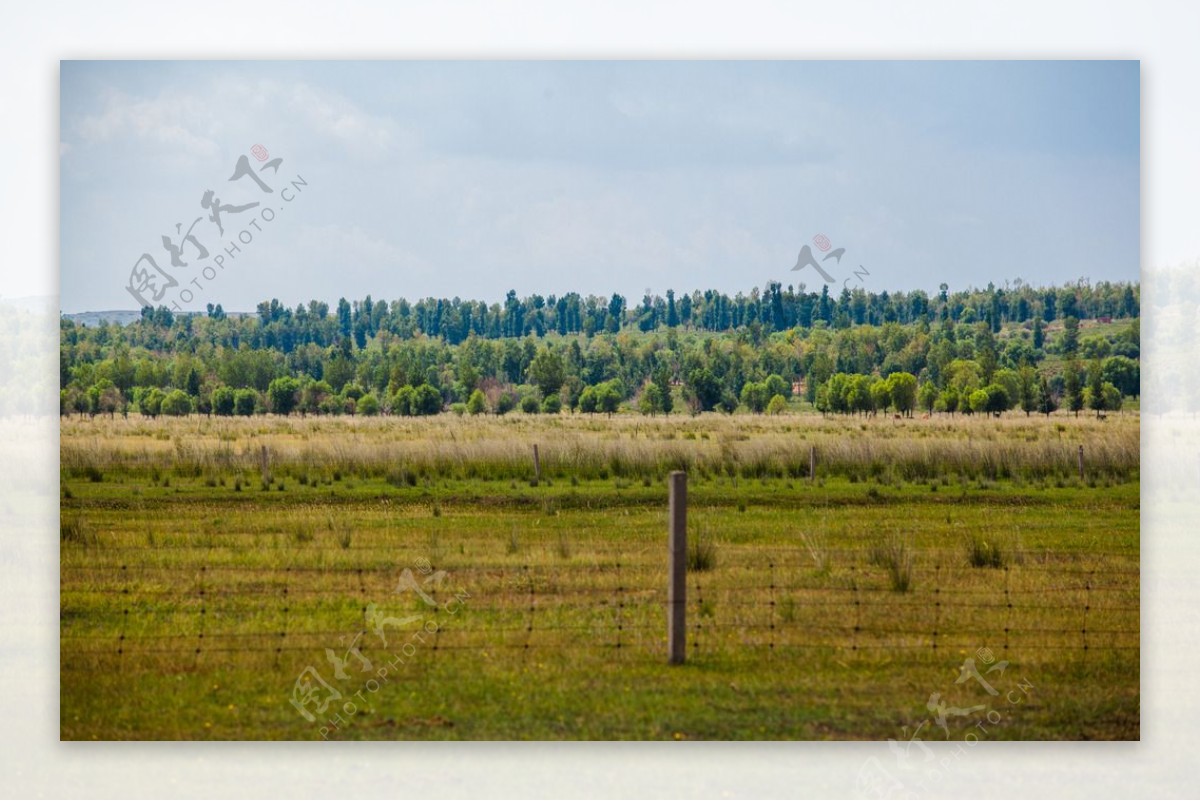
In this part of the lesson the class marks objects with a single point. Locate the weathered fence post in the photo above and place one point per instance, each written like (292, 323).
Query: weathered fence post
(812, 463)
(677, 573)
(265, 465)
(1081, 463)
(537, 466)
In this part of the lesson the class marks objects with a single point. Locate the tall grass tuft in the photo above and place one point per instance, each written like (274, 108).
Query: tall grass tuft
(815, 544)
(984, 553)
(74, 530)
(998, 551)
(702, 554)
(894, 555)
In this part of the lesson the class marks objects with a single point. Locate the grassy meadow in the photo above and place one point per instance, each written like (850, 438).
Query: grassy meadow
(418, 576)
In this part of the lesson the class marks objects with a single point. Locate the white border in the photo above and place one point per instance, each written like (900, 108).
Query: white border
(35, 37)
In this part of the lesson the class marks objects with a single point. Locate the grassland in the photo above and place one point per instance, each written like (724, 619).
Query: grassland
(198, 583)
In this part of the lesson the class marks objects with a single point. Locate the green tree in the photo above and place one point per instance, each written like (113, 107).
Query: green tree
(477, 403)
(1096, 399)
(245, 401)
(547, 372)
(859, 395)
(1070, 337)
(530, 405)
(903, 390)
(608, 397)
(997, 399)
(177, 403)
(404, 401)
(662, 380)
(552, 404)
(777, 405)
(706, 389)
(651, 400)
(152, 401)
(283, 394)
(1010, 380)
(1124, 374)
(506, 401)
(222, 401)
(821, 399)
(756, 396)
(978, 401)
(313, 395)
(589, 401)
(1028, 390)
(776, 385)
(1046, 402)
(427, 400)
(948, 400)
(927, 395)
(1112, 397)
(1073, 387)
(368, 405)
(881, 395)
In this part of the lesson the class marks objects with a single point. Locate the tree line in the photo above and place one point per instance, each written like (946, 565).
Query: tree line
(983, 351)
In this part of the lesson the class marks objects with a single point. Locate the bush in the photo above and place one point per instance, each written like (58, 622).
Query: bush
(222, 401)
(506, 402)
(529, 404)
(778, 405)
(552, 404)
(427, 400)
(755, 397)
(477, 403)
(284, 393)
(244, 402)
(177, 403)
(403, 402)
(368, 405)
(151, 402)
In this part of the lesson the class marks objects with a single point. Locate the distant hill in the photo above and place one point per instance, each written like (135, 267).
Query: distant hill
(123, 316)
(94, 318)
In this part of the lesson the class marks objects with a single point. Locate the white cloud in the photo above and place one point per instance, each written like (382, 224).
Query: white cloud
(333, 116)
(179, 122)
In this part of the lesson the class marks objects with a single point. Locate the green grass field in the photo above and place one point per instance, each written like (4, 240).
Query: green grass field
(198, 583)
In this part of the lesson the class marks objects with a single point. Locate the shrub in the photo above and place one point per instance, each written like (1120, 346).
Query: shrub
(477, 403)
(244, 402)
(368, 405)
(223, 401)
(177, 403)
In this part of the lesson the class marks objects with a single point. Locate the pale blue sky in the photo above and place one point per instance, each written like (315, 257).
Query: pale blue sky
(471, 178)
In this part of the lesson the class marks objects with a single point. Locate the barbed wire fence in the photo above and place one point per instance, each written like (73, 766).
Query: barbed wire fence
(142, 608)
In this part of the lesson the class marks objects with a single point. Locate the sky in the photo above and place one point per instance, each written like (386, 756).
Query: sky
(468, 179)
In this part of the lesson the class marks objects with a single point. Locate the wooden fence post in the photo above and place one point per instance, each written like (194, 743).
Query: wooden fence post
(677, 572)
(537, 466)
(812, 463)
(1081, 463)
(264, 465)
